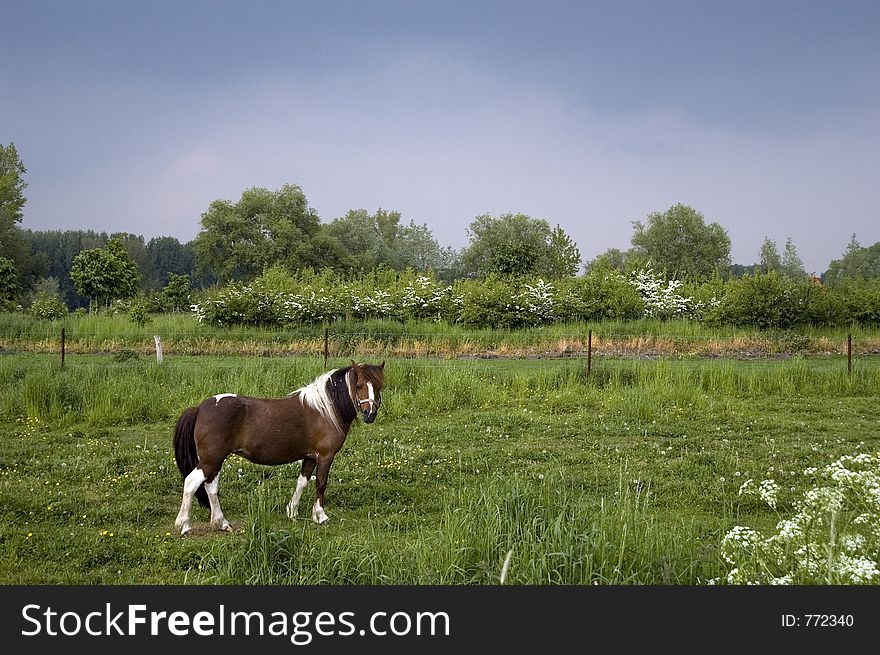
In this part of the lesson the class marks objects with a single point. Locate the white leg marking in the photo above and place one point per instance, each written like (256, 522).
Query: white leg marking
(292, 506)
(217, 518)
(221, 396)
(190, 484)
(318, 515)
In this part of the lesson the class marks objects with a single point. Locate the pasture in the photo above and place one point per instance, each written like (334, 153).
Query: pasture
(627, 475)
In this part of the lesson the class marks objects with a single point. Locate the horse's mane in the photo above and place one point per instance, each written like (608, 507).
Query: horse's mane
(329, 395)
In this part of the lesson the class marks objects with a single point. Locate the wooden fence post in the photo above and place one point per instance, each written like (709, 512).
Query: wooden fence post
(326, 345)
(589, 352)
(62, 347)
(158, 348)
(849, 354)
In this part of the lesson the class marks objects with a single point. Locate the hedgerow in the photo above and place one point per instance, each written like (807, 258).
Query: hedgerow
(768, 300)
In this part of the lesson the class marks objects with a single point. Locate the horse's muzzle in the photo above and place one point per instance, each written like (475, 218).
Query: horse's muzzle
(369, 416)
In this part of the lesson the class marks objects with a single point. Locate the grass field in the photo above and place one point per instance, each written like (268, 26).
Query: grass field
(628, 475)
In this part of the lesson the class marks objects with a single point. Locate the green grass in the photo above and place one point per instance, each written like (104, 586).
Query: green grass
(182, 334)
(628, 475)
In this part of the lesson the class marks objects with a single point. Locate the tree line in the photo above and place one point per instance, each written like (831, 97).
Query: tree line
(239, 240)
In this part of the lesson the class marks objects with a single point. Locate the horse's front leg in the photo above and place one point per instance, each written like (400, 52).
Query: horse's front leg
(318, 514)
(305, 473)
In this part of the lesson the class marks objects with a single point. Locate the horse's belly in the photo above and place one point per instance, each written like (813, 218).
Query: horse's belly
(279, 451)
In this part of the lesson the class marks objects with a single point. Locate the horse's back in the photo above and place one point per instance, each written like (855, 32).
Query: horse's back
(263, 430)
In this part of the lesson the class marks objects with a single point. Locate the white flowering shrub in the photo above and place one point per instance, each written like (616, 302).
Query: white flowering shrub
(833, 538)
(662, 298)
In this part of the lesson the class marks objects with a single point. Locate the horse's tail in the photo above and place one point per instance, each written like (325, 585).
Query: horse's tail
(185, 449)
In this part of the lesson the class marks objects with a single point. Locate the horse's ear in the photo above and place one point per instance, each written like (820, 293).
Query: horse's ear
(382, 365)
(354, 364)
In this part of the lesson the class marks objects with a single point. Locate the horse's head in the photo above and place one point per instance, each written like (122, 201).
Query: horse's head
(367, 388)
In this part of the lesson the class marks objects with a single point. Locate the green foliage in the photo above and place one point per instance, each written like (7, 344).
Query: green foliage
(679, 243)
(49, 306)
(12, 186)
(857, 263)
(239, 240)
(106, 274)
(762, 300)
(9, 285)
(139, 312)
(518, 245)
(177, 293)
(488, 302)
(601, 294)
(861, 300)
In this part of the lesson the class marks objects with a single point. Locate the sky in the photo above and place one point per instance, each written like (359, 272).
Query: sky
(763, 116)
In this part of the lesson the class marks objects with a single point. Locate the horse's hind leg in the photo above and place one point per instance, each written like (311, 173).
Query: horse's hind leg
(190, 484)
(217, 519)
(305, 473)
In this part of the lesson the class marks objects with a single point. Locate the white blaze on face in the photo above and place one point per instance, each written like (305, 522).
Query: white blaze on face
(221, 396)
(370, 396)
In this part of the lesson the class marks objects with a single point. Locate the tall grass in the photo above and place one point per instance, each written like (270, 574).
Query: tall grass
(182, 334)
(555, 533)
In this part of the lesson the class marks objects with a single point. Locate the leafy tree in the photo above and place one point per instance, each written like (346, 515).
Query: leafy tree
(239, 240)
(105, 274)
(168, 256)
(857, 263)
(791, 265)
(12, 200)
(415, 247)
(52, 252)
(9, 288)
(514, 244)
(770, 259)
(563, 257)
(680, 244)
(177, 292)
(363, 238)
(137, 250)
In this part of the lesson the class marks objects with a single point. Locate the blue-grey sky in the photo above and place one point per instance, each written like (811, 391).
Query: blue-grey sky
(764, 116)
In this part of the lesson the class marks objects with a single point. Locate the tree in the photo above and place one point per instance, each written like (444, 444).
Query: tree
(856, 263)
(52, 253)
(239, 240)
(105, 274)
(612, 258)
(9, 288)
(678, 243)
(12, 200)
(512, 244)
(415, 247)
(770, 259)
(792, 266)
(563, 257)
(363, 238)
(12, 186)
(168, 256)
(137, 250)
(177, 292)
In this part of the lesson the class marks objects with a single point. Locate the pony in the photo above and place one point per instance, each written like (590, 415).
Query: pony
(309, 424)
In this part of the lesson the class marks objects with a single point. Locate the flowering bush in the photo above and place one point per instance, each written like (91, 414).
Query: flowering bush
(833, 538)
(662, 298)
(47, 305)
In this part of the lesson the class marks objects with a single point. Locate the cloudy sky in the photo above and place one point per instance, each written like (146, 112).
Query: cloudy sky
(764, 116)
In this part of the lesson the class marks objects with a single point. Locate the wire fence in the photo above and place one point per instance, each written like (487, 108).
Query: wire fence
(327, 343)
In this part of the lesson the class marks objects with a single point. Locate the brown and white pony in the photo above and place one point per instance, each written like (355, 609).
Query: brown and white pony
(310, 424)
